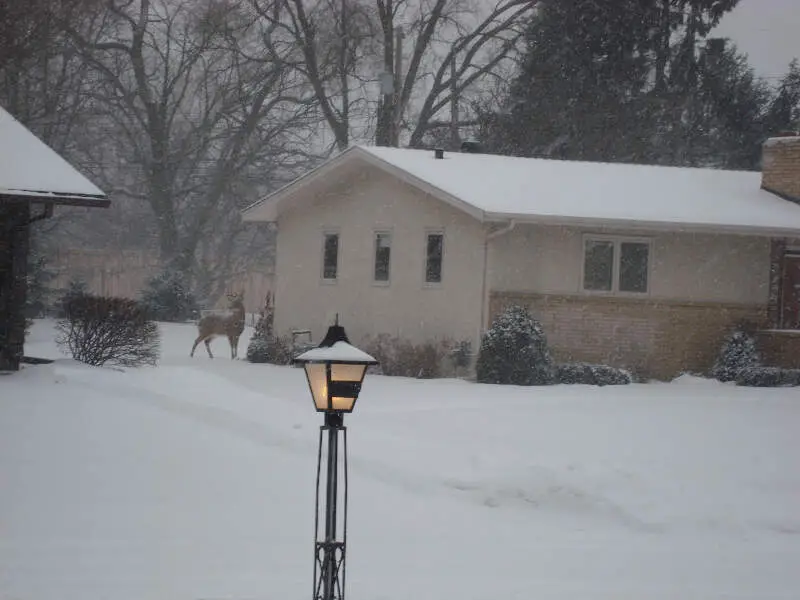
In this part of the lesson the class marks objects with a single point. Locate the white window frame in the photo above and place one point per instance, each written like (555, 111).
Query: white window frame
(325, 233)
(428, 232)
(617, 240)
(375, 232)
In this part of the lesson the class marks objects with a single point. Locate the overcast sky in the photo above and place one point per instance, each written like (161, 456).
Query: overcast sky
(768, 31)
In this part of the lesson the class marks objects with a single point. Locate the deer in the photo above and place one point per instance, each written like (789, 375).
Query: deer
(231, 326)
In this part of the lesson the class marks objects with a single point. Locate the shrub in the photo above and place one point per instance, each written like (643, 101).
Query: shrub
(275, 351)
(402, 358)
(264, 346)
(167, 297)
(98, 330)
(75, 289)
(461, 355)
(514, 351)
(768, 377)
(582, 373)
(738, 352)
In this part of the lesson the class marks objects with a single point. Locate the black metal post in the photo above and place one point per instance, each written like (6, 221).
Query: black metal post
(329, 552)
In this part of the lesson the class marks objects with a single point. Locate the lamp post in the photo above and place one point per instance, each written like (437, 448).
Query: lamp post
(335, 370)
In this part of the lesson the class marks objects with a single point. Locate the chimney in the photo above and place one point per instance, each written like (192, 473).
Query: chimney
(438, 153)
(780, 166)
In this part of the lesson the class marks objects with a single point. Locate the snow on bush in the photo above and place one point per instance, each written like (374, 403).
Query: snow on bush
(98, 330)
(738, 352)
(167, 298)
(264, 346)
(514, 351)
(768, 377)
(582, 373)
(275, 351)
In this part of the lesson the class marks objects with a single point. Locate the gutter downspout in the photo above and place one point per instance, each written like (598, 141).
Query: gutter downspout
(490, 235)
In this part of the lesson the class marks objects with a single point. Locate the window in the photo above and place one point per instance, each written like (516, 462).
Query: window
(433, 257)
(616, 265)
(330, 256)
(383, 256)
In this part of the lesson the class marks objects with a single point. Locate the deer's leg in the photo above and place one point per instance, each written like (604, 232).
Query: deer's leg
(196, 342)
(233, 351)
(208, 347)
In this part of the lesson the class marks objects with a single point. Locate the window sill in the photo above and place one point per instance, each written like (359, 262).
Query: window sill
(615, 294)
(329, 281)
(382, 284)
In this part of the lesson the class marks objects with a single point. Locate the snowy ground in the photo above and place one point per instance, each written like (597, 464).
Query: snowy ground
(195, 480)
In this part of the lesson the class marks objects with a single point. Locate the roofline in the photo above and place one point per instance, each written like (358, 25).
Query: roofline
(355, 152)
(637, 225)
(54, 198)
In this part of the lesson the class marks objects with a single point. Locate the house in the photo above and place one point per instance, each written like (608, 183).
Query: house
(645, 267)
(33, 179)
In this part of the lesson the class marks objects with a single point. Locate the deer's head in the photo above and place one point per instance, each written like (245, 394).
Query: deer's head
(235, 299)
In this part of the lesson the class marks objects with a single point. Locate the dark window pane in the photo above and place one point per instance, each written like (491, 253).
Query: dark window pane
(433, 264)
(633, 261)
(383, 253)
(598, 265)
(330, 259)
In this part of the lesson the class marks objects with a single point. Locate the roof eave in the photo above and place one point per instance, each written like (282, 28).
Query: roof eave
(56, 198)
(637, 225)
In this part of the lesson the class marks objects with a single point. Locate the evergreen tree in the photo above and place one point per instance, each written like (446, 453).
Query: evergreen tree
(784, 111)
(738, 352)
(167, 298)
(630, 81)
(514, 351)
(75, 288)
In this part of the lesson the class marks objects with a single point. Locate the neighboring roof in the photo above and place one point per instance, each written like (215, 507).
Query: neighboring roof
(30, 169)
(559, 192)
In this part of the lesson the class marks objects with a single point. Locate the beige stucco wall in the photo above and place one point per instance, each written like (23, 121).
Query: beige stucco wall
(684, 266)
(362, 201)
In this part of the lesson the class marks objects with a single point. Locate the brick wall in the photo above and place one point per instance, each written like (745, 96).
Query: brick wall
(779, 348)
(781, 166)
(655, 338)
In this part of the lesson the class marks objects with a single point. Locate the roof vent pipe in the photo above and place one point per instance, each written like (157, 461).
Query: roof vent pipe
(438, 153)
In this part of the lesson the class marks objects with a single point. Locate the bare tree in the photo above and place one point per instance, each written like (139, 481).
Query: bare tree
(427, 54)
(197, 105)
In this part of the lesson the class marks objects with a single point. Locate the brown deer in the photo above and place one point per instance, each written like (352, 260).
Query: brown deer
(231, 326)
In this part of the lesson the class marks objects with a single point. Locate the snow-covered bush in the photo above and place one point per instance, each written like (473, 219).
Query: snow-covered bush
(401, 358)
(587, 374)
(738, 352)
(768, 377)
(264, 346)
(275, 351)
(167, 297)
(514, 351)
(98, 330)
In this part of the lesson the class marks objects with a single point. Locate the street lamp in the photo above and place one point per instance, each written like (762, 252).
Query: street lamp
(335, 370)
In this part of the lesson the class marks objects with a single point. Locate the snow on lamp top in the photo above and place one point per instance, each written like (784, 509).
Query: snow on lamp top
(335, 347)
(339, 352)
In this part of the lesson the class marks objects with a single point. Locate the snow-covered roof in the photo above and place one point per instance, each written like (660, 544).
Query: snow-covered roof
(339, 352)
(29, 168)
(533, 190)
